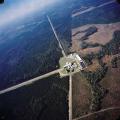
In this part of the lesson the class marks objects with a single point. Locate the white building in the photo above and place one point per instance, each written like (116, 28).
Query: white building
(76, 63)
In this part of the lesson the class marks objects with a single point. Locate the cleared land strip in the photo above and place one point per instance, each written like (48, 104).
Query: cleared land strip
(92, 8)
(42, 76)
(29, 81)
(70, 97)
(103, 110)
(60, 45)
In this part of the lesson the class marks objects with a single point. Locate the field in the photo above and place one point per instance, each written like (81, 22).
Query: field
(112, 82)
(28, 48)
(93, 42)
(96, 37)
(81, 96)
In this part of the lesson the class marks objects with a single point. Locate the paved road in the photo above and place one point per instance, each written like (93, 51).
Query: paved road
(103, 110)
(70, 97)
(29, 82)
(54, 31)
(92, 8)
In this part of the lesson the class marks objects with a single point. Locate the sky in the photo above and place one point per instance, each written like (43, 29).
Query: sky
(14, 9)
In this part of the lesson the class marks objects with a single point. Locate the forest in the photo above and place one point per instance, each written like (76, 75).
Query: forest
(93, 78)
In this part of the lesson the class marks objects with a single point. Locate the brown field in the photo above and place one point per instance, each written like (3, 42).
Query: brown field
(76, 48)
(107, 115)
(94, 66)
(90, 50)
(111, 81)
(102, 36)
(81, 96)
(107, 59)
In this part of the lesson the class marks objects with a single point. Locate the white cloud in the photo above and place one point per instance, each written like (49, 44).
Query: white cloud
(23, 9)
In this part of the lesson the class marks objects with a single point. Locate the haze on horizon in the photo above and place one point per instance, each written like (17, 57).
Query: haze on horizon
(13, 9)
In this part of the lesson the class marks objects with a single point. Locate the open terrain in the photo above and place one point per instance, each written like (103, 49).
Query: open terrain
(107, 86)
(81, 96)
(29, 49)
(96, 38)
(102, 36)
